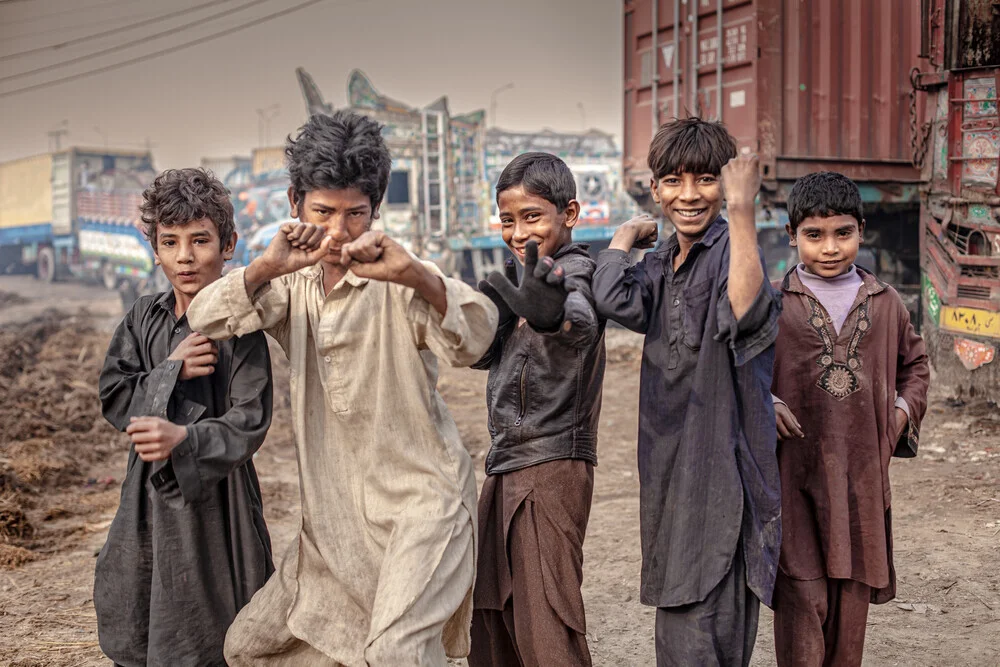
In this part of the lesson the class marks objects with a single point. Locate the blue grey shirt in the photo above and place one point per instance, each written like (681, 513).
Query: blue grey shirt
(708, 468)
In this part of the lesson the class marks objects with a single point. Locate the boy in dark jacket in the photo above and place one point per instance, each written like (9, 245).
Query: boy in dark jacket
(847, 354)
(709, 499)
(188, 546)
(546, 368)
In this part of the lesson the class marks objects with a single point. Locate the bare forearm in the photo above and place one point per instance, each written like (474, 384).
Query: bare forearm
(623, 239)
(428, 285)
(256, 276)
(745, 272)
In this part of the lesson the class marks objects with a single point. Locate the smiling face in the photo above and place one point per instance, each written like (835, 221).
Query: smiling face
(191, 256)
(345, 214)
(691, 202)
(827, 246)
(527, 217)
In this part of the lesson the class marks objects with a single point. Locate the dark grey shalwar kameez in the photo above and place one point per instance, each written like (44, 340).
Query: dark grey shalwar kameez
(188, 546)
(709, 484)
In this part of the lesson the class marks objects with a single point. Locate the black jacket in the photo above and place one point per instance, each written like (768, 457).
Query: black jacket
(544, 389)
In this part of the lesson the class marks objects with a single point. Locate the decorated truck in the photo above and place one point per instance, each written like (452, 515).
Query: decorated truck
(73, 215)
(957, 137)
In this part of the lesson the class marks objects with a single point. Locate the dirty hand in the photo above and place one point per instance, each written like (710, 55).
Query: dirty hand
(295, 246)
(788, 425)
(198, 354)
(510, 272)
(154, 437)
(376, 256)
(541, 296)
(741, 180)
(902, 421)
(640, 232)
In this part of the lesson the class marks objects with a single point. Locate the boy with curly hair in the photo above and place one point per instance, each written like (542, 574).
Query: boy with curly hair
(381, 572)
(188, 546)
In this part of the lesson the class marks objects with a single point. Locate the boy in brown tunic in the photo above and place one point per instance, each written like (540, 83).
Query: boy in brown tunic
(846, 354)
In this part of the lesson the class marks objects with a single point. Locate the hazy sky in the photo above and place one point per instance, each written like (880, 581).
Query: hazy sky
(201, 100)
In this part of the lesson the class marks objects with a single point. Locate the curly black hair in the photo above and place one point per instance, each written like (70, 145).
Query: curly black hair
(824, 194)
(541, 174)
(180, 196)
(343, 150)
(690, 146)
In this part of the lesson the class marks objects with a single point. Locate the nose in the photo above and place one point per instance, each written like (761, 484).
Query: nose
(520, 232)
(337, 228)
(689, 190)
(186, 254)
(829, 245)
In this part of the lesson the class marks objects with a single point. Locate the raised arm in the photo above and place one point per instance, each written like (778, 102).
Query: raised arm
(741, 182)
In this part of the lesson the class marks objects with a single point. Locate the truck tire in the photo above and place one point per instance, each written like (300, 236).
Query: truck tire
(45, 265)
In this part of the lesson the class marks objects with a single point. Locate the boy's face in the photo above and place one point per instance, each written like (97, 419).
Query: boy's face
(827, 246)
(345, 214)
(526, 217)
(691, 202)
(190, 254)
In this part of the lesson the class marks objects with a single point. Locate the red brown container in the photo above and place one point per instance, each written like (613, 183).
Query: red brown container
(807, 84)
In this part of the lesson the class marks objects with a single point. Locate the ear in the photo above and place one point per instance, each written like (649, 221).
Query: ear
(791, 236)
(861, 230)
(572, 212)
(227, 252)
(652, 190)
(376, 212)
(292, 201)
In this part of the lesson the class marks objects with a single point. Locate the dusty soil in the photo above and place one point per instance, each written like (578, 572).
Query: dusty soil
(946, 506)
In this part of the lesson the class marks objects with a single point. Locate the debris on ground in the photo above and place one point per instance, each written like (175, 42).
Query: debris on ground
(51, 429)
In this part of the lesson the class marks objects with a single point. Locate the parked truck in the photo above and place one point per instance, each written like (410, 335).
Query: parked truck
(73, 215)
(958, 148)
(808, 85)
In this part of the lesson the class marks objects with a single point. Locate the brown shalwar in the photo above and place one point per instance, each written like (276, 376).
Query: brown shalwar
(528, 604)
(822, 622)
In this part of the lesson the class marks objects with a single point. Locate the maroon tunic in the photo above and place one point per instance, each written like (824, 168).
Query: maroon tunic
(842, 389)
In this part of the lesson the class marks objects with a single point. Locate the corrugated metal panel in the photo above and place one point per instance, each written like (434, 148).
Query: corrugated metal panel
(808, 84)
(26, 192)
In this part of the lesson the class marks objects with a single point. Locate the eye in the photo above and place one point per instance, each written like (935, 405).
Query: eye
(357, 214)
(670, 180)
(506, 222)
(707, 179)
(531, 217)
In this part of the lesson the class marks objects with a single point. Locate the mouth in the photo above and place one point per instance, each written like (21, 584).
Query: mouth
(187, 275)
(689, 213)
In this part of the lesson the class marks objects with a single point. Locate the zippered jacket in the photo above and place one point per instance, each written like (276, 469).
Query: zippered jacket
(544, 389)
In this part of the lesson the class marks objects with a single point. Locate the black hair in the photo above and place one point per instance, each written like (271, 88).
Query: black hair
(343, 150)
(180, 196)
(541, 174)
(824, 194)
(691, 146)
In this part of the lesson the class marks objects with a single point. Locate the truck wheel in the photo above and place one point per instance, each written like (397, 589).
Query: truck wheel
(108, 276)
(46, 265)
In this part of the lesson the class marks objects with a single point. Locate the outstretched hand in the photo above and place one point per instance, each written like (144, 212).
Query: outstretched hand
(541, 296)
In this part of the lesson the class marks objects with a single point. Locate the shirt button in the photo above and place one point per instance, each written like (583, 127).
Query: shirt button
(177, 330)
(326, 359)
(677, 302)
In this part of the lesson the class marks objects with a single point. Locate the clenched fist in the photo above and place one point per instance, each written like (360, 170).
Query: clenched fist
(199, 355)
(154, 437)
(741, 180)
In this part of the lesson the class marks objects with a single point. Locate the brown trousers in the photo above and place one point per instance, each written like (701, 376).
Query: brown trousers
(528, 605)
(820, 622)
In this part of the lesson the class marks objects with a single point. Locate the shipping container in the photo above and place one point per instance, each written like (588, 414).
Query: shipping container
(808, 85)
(959, 150)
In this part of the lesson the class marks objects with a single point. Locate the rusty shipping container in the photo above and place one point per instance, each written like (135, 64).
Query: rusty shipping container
(809, 85)
(960, 204)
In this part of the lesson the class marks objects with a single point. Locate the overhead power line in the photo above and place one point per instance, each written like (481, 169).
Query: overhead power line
(161, 52)
(134, 42)
(77, 8)
(112, 31)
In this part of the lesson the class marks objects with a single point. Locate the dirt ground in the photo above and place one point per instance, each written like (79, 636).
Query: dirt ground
(946, 502)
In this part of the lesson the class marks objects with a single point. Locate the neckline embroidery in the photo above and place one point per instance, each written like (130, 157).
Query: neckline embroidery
(840, 380)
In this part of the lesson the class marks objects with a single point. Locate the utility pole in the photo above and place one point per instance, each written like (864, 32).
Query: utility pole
(264, 118)
(493, 102)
